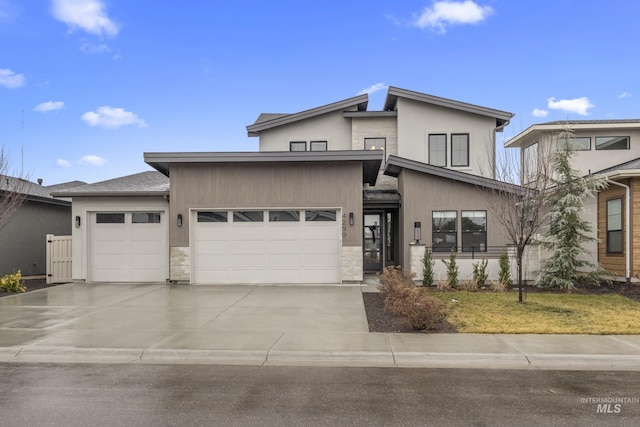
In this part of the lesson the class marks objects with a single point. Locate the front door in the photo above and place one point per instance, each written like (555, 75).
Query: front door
(372, 241)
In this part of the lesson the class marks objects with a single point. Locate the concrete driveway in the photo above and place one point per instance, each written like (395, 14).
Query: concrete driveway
(158, 320)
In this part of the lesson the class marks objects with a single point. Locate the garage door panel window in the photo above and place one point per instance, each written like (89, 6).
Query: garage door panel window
(248, 216)
(145, 217)
(284, 216)
(212, 216)
(110, 218)
(311, 216)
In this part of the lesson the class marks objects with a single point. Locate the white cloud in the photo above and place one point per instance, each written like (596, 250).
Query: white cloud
(624, 94)
(62, 163)
(373, 89)
(444, 13)
(11, 79)
(91, 160)
(8, 11)
(537, 112)
(49, 106)
(578, 105)
(88, 15)
(91, 48)
(112, 118)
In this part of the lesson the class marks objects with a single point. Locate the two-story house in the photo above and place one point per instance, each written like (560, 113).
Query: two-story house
(610, 149)
(334, 191)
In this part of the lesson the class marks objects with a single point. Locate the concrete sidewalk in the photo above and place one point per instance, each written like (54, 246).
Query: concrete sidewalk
(264, 325)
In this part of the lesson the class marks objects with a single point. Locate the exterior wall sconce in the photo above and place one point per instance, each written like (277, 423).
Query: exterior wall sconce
(179, 220)
(350, 218)
(417, 231)
(77, 222)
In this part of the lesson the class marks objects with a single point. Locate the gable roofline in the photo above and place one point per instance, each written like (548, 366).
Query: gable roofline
(502, 117)
(149, 183)
(371, 159)
(361, 101)
(395, 165)
(576, 125)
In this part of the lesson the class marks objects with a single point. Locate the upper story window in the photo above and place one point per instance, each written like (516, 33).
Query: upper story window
(376, 144)
(612, 142)
(438, 149)
(318, 145)
(530, 163)
(298, 146)
(614, 226)
(459, 149)
(581, 143)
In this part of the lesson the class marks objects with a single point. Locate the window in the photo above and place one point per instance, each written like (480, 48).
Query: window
(145, 218)
(444, 231)
(284, 216)
(298, 146)
(110, 218)
(614, 226)
(582, 143)
(318, 145)
(459, 149)
(311, 216)
(205, 216)
(376, 144)
(438, 149)
(530, 163)
(612, 142)
(248, 216)
(474, 231)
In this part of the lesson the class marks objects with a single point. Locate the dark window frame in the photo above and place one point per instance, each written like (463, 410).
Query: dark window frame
(445, 148)
(467, 248)
(467, 149)
(293, 143)
(610, 232)
(628, 147)
(316, 142)
(440, 232)
(576, 146)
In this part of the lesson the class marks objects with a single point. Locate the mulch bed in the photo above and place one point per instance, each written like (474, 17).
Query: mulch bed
(381, 320)
(31, 285)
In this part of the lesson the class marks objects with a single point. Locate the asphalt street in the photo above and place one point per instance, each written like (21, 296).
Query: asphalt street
(198, 395)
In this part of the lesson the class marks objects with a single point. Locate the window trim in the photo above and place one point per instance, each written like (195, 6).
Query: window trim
(575, 146)
(609, 231)
(319, 141)
(450, 232)
(110, 215)
(628, 138)
(467, 149)
(292, 143)
(203, 218)
(463, 232)
(445, 148)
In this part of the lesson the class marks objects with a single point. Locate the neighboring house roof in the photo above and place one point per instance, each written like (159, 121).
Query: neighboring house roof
(268, 121)
(371, 160)
(150, 183)
(623, 170)
(35, 192)
(395, 165)
(502, 117)
(575, 125)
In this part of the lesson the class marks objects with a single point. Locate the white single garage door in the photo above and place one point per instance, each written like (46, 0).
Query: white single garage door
(266, 246)
(128, 247)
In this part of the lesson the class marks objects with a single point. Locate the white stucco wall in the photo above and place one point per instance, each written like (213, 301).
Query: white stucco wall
(83, 206)
(416, 120)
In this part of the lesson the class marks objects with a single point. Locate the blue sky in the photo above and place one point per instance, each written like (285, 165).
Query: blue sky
(87, 86)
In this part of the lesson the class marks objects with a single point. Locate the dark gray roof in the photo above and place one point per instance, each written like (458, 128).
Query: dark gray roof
(276, 120)
(396, 164)
(34, 191)
(150, 183)
(590, 122)
(626, 166)
(502, 117)
(371, 159)
(264, 117)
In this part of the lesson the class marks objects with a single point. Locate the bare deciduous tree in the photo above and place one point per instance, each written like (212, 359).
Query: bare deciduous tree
(12, 190)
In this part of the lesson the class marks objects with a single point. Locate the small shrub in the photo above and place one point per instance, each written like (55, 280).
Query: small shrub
(504, 275)
(452, 270)
(480, 274)
(12, 283)
(427, 268)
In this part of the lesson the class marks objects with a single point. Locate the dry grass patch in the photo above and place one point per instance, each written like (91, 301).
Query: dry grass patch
(542, 313)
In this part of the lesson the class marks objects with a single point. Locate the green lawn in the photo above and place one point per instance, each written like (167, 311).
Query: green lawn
(541, 313)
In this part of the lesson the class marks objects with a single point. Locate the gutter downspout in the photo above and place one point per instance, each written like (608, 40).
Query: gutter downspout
(627, 210)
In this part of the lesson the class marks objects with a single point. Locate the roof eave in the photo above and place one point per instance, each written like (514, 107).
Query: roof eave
(113, 194)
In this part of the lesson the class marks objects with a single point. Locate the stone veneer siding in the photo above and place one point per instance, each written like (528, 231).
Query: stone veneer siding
(352, 269)
(377, 127)
(180, 264)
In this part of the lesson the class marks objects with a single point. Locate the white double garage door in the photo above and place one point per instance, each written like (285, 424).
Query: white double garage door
(266, 246)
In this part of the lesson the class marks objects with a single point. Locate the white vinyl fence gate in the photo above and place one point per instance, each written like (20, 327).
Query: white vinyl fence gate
(59, 259)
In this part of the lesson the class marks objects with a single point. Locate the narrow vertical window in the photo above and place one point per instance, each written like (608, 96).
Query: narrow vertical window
(438, 149)
(530, 163)
(377, 144)
(460, 149)
(614, 226)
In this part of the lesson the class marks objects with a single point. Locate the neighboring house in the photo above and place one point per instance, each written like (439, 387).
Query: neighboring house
(333, 192)
(607, 148)
(23, 238)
